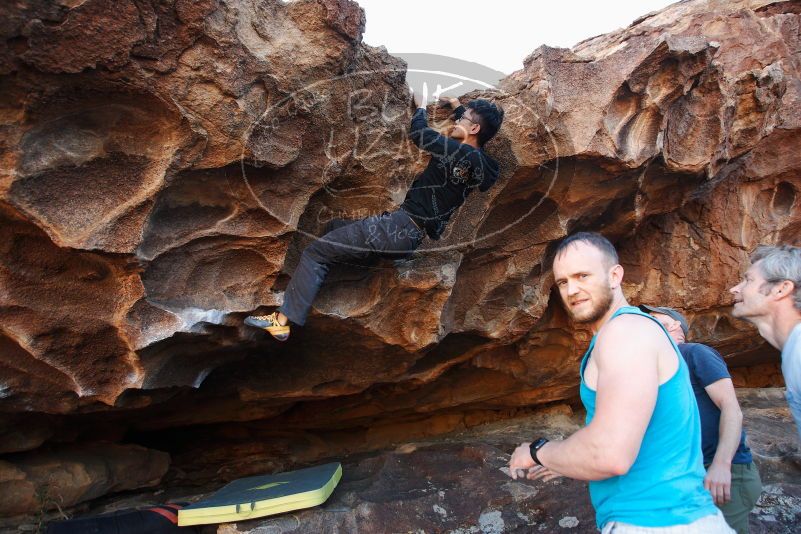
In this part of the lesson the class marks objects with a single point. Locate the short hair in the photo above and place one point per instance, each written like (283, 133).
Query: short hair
(490, 117)
(780, 263)
(591, 238)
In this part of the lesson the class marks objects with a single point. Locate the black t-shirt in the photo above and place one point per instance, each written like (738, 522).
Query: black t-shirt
(454, 170)
(707, 367)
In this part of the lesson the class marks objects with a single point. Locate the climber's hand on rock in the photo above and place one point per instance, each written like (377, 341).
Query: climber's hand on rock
(418, 99)
(448, 102)
(521, 461)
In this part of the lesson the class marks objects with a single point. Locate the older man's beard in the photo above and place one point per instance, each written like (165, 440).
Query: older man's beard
(603, 303)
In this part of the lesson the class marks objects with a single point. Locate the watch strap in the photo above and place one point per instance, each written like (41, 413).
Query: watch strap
(536, 446)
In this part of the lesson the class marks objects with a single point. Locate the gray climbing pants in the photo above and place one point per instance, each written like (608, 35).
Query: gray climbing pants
(390, 235)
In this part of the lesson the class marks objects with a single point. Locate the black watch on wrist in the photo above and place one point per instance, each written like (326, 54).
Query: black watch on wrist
(535, 446)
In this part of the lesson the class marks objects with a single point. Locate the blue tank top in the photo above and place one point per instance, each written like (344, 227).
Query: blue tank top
(665, 485)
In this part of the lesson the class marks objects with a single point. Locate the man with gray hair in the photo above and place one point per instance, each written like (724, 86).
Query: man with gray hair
(731, 476)
(769, 296)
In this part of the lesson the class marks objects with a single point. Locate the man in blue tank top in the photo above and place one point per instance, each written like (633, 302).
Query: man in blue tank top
(641, 447)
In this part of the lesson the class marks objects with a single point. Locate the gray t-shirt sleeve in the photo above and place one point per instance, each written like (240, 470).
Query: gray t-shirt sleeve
(791, 369)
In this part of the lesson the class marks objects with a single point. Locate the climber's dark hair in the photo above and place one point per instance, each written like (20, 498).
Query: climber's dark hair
(489, 117)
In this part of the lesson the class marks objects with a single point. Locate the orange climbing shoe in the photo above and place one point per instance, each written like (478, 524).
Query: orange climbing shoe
(269, 323)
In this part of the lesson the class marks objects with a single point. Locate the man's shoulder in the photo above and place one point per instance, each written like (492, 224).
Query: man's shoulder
(630, 329)
(793, 343)
(704, 362)
(699, 350)
(472, 154)
(624, 321)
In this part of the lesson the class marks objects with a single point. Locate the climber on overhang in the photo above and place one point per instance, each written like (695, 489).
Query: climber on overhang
(457, 166)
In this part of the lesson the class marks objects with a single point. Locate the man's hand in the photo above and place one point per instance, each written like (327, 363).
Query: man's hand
(521, 461)
(539, 471)
(718, 482)
(718, 476)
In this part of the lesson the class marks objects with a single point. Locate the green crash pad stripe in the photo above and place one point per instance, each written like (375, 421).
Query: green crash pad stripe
(250, 498)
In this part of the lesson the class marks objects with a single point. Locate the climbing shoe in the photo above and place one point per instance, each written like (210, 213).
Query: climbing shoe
(269, 323)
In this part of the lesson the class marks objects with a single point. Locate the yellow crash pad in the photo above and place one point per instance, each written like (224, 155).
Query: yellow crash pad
(259, 496)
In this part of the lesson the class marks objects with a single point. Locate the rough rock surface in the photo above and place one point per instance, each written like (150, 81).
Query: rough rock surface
(456, 482)
(163, 163)
(37, 481)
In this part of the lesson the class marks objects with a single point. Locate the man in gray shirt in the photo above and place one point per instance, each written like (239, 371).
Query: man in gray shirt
(769, 296)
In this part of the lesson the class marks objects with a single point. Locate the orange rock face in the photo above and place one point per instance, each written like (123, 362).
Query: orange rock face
(37, 481)
(163, 164)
